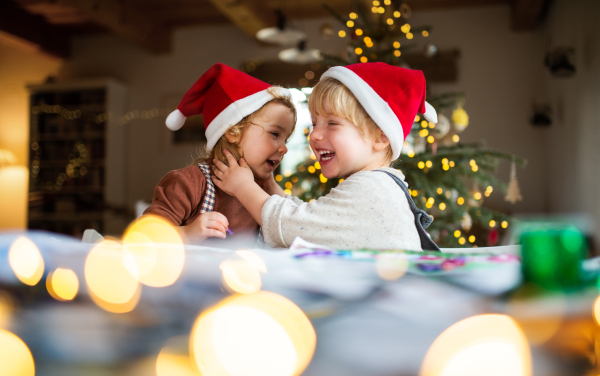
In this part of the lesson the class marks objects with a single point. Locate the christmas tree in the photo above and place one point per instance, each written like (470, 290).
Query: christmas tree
(446, 178)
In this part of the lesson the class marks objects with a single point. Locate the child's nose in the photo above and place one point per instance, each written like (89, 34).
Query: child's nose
(283, 149)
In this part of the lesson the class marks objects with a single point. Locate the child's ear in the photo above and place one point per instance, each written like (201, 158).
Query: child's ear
(382, 142)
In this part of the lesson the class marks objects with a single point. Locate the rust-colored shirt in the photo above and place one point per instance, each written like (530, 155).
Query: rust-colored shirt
(179, 195)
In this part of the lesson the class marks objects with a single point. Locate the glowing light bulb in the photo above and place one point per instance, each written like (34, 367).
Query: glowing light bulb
(492, 223)
(26, 261)
(363, 59)
(397, 14)
(342, 33)
(442, 206)
(350, 23)
(396, 44)
(119, 293)
(153, 251)
(428, 164)
(455, 138)
(479, 345)
(253, 334)
(411, 154)
(358, 50)
(430, 139)
(461, 241)
(504, 224)
(423, 133)
(425, 33)
(278, 177)
(353, 15)
(460, 200)
(421, 165)
(439, 191)
(15, 357)
(457, 234)
(472, 238)
(397, 53)
(322, 178)
(358, 32)
(311, 169)
(390, 21)
(62, 284)
(288, 185)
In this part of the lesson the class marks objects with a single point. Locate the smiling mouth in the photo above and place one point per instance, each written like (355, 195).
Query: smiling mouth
(326, 155)
(272, 163)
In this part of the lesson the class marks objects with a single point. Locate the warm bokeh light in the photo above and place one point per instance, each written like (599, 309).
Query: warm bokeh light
(6, 309)
(258, 334)
(174, 359)
(539, 318)
(110, 284)
(26, 261)
(14, 190)
(241, 273)
(491, 345)
(597, 310)
(390, 267)
(153, 251)
(15, 357)
(62, 284)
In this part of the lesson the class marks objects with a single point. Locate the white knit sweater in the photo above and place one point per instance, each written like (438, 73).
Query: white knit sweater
(366, 210)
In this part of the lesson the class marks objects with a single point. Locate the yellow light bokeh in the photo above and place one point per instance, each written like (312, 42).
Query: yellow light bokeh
(397, 14)
(390, 21)
(461, 240)
(488, 344)
(322, 178)
(109, 283)
(430, 139)
(396, 44)
(278, 177)
(288, 185)
(457, 233)
(317, 165)
(241, 273)
(26, 261)
(62, 284)
(350, 23)
(363, 59)
(421, 165)
(358, 32)
(312, 169)
(460, 200)
(353, 15)
(455, 138)
(259, 334)
(389, 267)
(472, 239)
(153, 251)
(411, 154)
(492, 223)
(504, 224)
(428, 164)
(442, 206)
(342, 33)
(15, 357)
(358, 50)
(397, 53)
(174, 359)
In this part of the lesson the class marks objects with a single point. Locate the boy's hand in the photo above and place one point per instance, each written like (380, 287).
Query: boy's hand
(206, 225)
(270, 186)
(233, 178)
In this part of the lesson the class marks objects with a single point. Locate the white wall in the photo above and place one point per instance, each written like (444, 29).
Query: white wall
(499, 71)
(573, 143)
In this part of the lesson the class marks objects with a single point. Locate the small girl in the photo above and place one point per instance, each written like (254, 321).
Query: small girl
(361, 115)
(243, 116)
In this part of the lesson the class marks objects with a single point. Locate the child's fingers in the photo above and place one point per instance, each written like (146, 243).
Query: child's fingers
(230, 158)
(218, 173)
(219, 165)
(211, 233)
(243, 162)
(218, 217)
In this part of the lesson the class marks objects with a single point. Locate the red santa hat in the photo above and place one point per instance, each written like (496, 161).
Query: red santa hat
(225, 96)
(391, 95)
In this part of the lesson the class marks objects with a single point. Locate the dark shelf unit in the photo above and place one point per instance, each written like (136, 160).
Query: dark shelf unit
(76, 157)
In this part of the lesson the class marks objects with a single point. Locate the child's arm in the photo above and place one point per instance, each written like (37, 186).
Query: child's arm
(174, 199)
(238, 180)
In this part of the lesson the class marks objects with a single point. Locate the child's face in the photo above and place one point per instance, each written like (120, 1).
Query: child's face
(263, 143)
(340, 148)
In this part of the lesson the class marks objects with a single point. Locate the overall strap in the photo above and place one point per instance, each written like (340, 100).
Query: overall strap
(208, 203)
(422, 219)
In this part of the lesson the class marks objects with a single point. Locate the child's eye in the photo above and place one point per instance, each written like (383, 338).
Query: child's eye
(276, 134)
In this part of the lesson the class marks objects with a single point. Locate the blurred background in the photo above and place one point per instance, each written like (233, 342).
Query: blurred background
(85, 87)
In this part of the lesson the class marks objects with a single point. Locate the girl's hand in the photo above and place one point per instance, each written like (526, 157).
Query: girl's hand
(206, 225)
(234, 178)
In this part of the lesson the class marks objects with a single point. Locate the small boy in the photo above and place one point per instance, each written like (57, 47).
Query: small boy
(361, 115)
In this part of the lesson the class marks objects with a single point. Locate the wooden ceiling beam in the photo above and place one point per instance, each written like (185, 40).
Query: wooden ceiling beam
(527, 14)
(31, 32)
(126, 21)
(249, 16)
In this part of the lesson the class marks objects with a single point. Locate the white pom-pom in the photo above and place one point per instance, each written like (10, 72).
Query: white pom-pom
(430, 113)
(175, 120)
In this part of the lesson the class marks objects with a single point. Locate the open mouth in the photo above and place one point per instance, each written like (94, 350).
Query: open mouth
(325, 155)
(272, 163)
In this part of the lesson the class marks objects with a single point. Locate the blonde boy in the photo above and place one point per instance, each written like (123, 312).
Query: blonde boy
(361, 115)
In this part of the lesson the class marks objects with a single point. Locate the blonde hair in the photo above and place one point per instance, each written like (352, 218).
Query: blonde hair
(341, 102)
(238, 130)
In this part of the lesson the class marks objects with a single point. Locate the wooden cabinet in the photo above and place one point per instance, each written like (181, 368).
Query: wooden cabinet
(78, 157)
